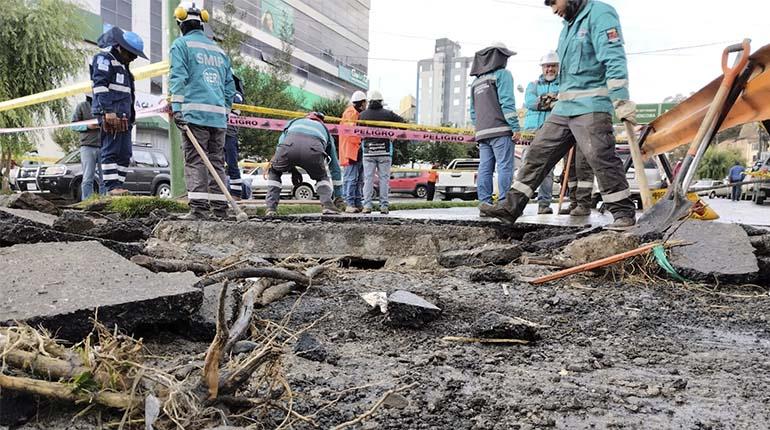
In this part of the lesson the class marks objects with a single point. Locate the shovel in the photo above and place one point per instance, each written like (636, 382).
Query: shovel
(675, 205)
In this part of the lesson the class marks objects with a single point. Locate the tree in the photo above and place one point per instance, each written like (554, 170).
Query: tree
(440, 153)
(67, 139)
(227, 34)
(717, 162)
(40, 40)
(331, 107)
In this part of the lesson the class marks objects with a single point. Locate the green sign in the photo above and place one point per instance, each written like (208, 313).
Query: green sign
(646, 113)
(355, 77)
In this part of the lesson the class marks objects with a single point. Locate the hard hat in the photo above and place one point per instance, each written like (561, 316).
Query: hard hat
(500, 45)
(550, 58)
(375, 95)
(316, 116)
(357, 96)
(132, 43)
(188, 10)
(238, 98)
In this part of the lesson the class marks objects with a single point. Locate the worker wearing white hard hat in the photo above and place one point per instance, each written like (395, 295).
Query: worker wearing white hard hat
(351, 157)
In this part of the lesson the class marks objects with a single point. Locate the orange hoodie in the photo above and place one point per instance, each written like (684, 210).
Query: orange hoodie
(349, 143)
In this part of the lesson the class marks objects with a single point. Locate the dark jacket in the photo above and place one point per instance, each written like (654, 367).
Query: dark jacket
(113, 86)
(88, 137)
(378, 147)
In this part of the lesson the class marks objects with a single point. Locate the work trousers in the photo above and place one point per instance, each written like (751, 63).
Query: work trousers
(594, 136)
(307, 152)
(580, 181)
(382, 165)
(116, 157)
(233, 172)
(203, 192)
(431, 191)
(353, 184)
(545, 189)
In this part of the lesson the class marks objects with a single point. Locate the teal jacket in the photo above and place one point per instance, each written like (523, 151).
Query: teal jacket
(201, 80)
(536, 114)
(505, 98)
(317, 130)
(594, 71)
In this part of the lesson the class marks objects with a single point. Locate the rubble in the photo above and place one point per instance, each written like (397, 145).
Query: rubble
(409, 310)
(493, 325)
(499, 254)
(79, 278)
(491, 274)
(717, 252)
(29, 201)
(377, 300)
(131, 230)
(73, 222)
(761, 244)
(597, 246)
(309, 348)
(28, 215)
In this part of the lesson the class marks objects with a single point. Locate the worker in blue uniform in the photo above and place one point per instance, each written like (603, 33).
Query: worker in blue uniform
(113, 103)
(593, 82)
(202, 88)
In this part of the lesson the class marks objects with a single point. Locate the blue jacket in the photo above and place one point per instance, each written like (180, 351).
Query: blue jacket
(535, 116)
(113, 87)
(505, 96)
(201, 81)
(736, 173)
(317, 130)
(594, 72)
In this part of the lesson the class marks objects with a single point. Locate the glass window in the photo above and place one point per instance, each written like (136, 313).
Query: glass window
(161, 160)
(455, 102)
(457, 90)
(457, 78)
(143, 159)
(117, 12)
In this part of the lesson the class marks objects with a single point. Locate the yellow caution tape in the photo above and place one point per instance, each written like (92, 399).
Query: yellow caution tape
(706, 213)
(144, 72)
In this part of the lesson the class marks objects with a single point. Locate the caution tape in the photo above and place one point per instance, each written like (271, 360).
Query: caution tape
(144, 113)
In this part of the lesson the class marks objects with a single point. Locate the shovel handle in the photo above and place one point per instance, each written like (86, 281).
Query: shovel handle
(740, 63)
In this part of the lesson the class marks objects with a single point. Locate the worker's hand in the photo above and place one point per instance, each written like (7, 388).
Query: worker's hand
(516, 137)
(111, 123)
(179, 120)
(625, 110)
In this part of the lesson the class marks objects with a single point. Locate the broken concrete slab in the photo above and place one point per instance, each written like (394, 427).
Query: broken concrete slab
(493, 325)
(377, 300)
(498, 254)
(73, 222)
(62, 285)
(755, 231)
(761, 244)
(764, 271)
(30, 201)
(719, 251)
(555, 242)
(409, 310)
(33, 216)
(132, 230)
(491, 274)
(597, 246)
(309, 348)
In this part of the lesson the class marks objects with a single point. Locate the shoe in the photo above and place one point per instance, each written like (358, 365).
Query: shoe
(352, 210)
(567, 210)
(622, 223)
(220, 214)
(271, 213)
(384, 210)
(366, 210)
(194, 215)
(498, 212)
(580, 211)
(331, 210)
(119, 192)
(544, 210)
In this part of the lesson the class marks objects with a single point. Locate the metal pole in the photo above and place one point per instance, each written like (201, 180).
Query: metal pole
(178, 187)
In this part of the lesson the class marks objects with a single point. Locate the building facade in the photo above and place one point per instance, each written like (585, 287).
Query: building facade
(443, 86)
(407, 108)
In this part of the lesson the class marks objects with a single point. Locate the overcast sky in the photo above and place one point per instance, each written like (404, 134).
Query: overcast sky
(404, 31)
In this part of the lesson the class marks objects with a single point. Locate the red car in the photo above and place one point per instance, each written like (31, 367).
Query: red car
(414, 182)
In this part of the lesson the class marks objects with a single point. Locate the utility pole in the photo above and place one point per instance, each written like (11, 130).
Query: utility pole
(178, 187)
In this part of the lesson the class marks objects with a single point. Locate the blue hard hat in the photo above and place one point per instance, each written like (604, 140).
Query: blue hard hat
(238, 98)
(133, 43)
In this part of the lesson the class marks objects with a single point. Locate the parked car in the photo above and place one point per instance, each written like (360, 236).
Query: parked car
(459, 179)
(256, 179)
(414, 182)
(148, 174)
(708, 183)
(760, 192)
(654, 177)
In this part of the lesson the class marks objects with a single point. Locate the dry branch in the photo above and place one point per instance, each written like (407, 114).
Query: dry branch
(66, 393)
(230, 383)
(242, 324)
(216, 349)
(167, 265)
(374, 408)
(256, 272)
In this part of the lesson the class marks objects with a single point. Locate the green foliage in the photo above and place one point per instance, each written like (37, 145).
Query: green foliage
(40, 40)
(331, 107)
(67, 139)
(716, 163)
(85, 383)
(440, 152)
(132, 206)
(285, 210)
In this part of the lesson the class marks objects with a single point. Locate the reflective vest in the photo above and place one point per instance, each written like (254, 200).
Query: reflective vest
(350, 144)
(493, 105)
(113, 87)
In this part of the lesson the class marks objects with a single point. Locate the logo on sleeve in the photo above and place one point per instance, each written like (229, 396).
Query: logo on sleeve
(613, 35)
(103, 64)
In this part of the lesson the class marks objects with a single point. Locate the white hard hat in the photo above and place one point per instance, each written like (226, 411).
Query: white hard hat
(357, 96)
(375, 95)
(550, 58)
(500, 45)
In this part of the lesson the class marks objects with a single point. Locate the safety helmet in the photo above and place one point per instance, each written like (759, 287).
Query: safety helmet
(188, 10)
(238, 98)
(357, 96)
(316, 116)
(133, 43)
(550, 58)
(375, 95)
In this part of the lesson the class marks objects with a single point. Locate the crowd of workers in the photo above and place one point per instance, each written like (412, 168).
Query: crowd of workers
(569, 106)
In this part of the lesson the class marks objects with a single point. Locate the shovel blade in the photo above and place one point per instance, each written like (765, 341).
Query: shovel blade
(662, 215)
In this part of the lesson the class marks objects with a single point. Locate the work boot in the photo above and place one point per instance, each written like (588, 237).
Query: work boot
(580, 210)
(544, 210)
(195, 215)
(220, 214)
(568, 209)
(330, 210)
(366, 210)
(352, 210)
(271, 213)
(622, 223)
(485, 206)
(117, 192)
(498, 212)
(384, 210)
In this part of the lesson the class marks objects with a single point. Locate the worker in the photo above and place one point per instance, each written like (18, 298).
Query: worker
(493, 113)
(305, 143)
(378, 154)
(593, 80)
(351, 156)
(113, 104)
(736, 176)
(90, 149)
(202, 88)
(236, 184)
(432, 181)
(539, 99)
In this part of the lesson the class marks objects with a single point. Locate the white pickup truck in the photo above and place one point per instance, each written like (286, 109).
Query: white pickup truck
(458, 180)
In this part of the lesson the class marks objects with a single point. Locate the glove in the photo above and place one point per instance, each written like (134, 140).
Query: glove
(546, 102)
(112, 124)
(179, 120)
(296, 177)
(625, 110)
